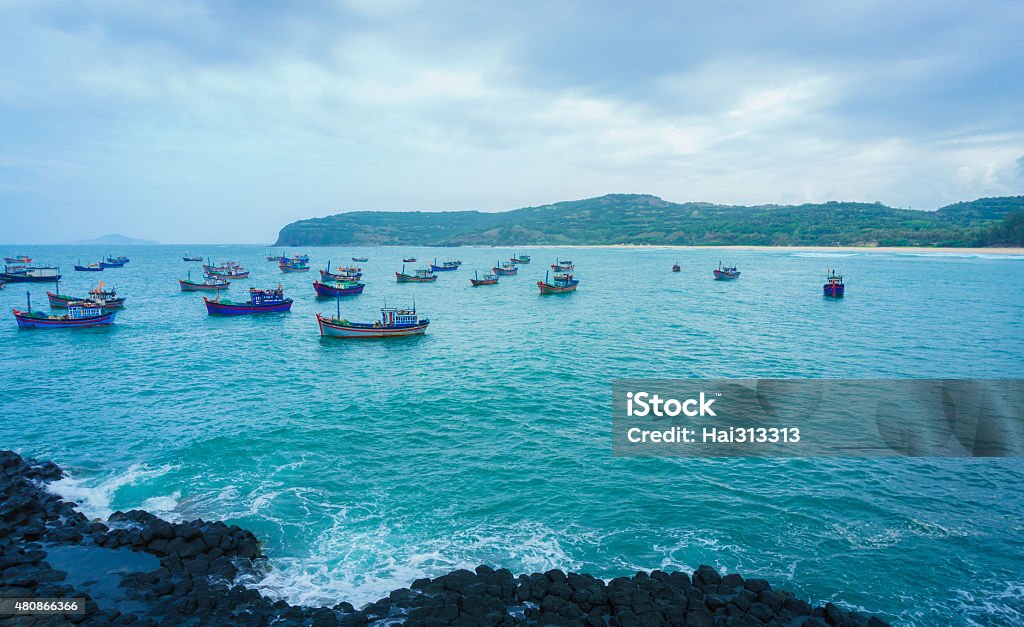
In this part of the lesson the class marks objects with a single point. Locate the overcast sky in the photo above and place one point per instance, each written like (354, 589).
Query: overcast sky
(220, 122)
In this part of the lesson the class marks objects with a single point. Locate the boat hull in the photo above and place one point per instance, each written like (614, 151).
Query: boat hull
(834, 291)
(188, 286)
(322, 289)
(330, 276)
(112, 264)
(407, 278)
(726, 276)
(28, 321)
(477, 282)
(88, 268)
(505, 271)
(294, 269)
(547, 288)
(19, 277)
(215, 308)
(434, 268)
(329, 328)
(59, 301)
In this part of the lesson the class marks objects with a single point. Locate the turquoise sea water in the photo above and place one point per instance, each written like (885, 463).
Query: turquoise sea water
(367, 464)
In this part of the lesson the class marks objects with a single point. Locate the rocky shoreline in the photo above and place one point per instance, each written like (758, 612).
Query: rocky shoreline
(137, 569)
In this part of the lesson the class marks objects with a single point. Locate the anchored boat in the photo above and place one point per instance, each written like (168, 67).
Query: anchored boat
(675, 267)
(563, 283)
(89, 267)
(521, 259)
(114, 262)
(726, 273)
(393, 322)
(19, 259)
(506, 268)
(360, 259)
(293, 264)
(260, 301)
(562, 265)
(341, 274)
(834, 287)
(446, 266)
(211, 283)
(187, 257)
(422, 275)
(98, 296)
(29, 274)
(79, 315)
(338, 288)
(488, 279)
(408, 260)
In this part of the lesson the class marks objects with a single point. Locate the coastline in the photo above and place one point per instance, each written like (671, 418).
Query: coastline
(858, 249)
(136, 568)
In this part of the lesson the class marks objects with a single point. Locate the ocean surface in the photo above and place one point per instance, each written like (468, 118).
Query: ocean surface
(367, 464)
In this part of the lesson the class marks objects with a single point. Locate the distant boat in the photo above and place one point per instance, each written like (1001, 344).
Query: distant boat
(29, 274)
(340, 288)
(276, 258)
(90, 267)
(409, 260)
(211, 283)
(18, 258)
(726, 273)
(188, 257)
(834, 287)
(521, 259)
(79, 315)
(360, 259)
(488, 279)
(561, 284)
(505, 269)
(675, 267)
(393, 322)
(446, 266)
(260, 301)
(341, 274)
(423, 275)
(562, 265)
(114, 262)
(294, 264)
(107, 299)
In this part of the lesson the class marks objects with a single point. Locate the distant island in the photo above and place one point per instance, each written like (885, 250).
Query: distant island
(643, 219)
(115, 239)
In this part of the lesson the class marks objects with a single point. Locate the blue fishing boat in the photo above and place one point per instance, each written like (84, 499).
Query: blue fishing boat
(562, 265)
(89, 267)
(20, 259)
(114, 262)
(726, 273)
(834, 287)
(260, 301)
(506, 268)
(341, 274)
(293, 264)
(422, 275)
(360, 259)
(520, 259)
(338, 288)
(79, 315)
(393, 322)
(560, 285)
(188, 257)
(446, 266)
(29, 274)
(108, 299)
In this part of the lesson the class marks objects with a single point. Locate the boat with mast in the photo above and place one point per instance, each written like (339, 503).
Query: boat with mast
(394, 322)
(563, 265)
(20, 259)
(834, 287)
(210, 283)
(520, 259)
(98, 295)
(422, 275)
(188, 257)
(446, 266)
(338, 288)
(505, 268)
(341, 274)
(114, 262)
(293, 264)
(29, 274)
(488, 279)
(89, 267)
(726, 273)
(260, 301)
(79, 315)
(676, 267)
(561, 284)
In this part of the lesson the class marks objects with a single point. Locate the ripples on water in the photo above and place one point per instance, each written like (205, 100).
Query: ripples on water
(365, 465)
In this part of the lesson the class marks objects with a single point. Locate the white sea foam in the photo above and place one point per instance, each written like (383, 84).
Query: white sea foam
(94, 495)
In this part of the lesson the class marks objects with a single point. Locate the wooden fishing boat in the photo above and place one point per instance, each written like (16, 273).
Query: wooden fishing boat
(18, 259)
(188, 257)
(260, 301)
(293, 264)
(676, 267)
(360, 259)
(393, 322)
(338, 288)
(562, 265)
(79, 315)
(563, 283)
(520, 259)
(423, 275)
(211, 283)
(89, 267)
(408, 260)
(341, 274)
(107, 299)
(506, 268)
(834, 287)
(726, 273)
(226, 267)
(446, 266)
(231, 274)
(488, 279)
(114, 262)
(29, 274)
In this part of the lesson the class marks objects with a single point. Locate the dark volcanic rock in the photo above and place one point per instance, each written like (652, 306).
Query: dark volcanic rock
(184, 573)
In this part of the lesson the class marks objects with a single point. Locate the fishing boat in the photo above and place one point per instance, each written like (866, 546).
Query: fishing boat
(726, 273)
(79, 315)
(408, 260)
(562, 265)
(360, 259)
(423, 275)
(210, 283)
(107, 299)
(338, 288)
(225, 267)
(446, 266)
(231, 274)
(834, 287)
(676, 267)
(506, 268)
(393, 322)
(188, 257)
(18, 259)
(521, 259)
(89, 267)
(341, 274)
(29, 274)
(293, 264)
(563, 283)
(114, 262)
(488, 279)
(260, 301)
(276, 258)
